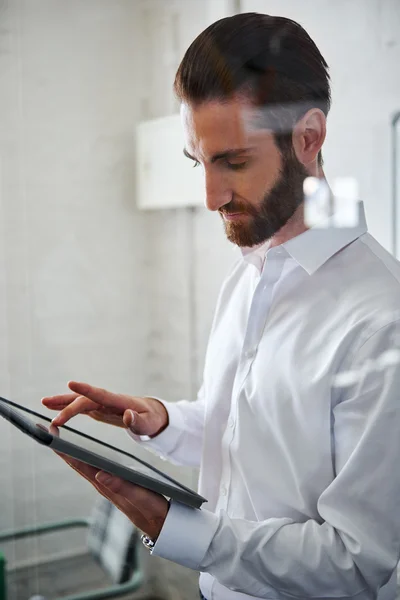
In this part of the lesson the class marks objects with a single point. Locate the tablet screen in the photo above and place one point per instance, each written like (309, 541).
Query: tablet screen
(105, 450)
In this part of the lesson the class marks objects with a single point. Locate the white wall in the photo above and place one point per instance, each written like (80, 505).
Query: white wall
(72, 244)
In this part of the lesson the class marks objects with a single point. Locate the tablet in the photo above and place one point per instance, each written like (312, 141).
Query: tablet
(96, 453)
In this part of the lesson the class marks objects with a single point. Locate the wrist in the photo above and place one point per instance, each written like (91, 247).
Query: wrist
(156, 524)
(164, 418)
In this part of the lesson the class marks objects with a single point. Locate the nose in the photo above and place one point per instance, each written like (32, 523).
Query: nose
(218, 192)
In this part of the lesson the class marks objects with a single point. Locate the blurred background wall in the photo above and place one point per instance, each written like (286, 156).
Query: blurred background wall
(72, 244)
(90, 287)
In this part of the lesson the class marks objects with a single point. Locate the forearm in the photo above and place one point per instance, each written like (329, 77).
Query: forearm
(304, 560)
(301, 560)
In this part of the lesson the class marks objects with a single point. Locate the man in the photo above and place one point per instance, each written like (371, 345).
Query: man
(297, 425)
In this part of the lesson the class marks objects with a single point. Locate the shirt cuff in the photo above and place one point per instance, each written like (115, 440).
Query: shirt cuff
(165, 442)
(186, 535)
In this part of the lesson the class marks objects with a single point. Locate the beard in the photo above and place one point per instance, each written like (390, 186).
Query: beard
(261, 223)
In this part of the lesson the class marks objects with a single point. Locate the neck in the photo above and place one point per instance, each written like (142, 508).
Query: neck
(295, 226)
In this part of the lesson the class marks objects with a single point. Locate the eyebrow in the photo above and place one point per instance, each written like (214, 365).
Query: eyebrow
(230, 153)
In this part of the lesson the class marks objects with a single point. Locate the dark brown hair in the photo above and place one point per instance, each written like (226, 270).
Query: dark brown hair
(272, 60)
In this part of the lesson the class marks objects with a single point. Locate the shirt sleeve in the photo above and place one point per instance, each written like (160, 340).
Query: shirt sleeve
(182, 441)
(353, 549)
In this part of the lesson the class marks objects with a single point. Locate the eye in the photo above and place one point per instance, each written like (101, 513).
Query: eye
(237, 166)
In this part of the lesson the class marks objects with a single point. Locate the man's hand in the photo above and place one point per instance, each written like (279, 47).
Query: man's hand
(143, 416)
(146, 509)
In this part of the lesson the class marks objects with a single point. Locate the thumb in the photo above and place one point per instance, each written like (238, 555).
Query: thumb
(138, 423)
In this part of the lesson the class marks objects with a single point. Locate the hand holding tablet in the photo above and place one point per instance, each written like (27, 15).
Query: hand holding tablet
(78, 447)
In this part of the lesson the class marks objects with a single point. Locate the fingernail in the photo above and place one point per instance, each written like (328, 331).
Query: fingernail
(132, 417)
(104, 478)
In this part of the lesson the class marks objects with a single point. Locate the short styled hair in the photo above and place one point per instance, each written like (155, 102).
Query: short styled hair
(271, 60)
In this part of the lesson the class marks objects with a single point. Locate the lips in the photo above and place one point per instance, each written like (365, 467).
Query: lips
(232, 216)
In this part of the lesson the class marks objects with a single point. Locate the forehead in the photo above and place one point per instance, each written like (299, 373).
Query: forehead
(214, 125)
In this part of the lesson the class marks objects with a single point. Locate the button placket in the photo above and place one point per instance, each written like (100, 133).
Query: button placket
(260, 307)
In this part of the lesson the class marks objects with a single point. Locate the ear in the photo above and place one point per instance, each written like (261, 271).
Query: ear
(309, 135)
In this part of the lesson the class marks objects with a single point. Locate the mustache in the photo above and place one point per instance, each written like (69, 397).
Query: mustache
(234, 207)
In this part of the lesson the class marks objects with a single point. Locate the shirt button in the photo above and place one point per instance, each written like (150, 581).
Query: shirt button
(250, 353)
(231, 423)
(224, 491)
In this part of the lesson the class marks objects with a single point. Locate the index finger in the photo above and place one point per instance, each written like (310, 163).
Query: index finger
(99, 395)
(80, 405)
(59, 401)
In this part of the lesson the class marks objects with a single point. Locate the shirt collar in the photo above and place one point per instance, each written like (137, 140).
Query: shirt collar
(256, 254)
(314, 247)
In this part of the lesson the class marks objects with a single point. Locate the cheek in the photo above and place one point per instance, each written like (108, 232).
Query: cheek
(257, 181)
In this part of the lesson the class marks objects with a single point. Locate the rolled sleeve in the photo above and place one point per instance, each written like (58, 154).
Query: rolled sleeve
(186, 535)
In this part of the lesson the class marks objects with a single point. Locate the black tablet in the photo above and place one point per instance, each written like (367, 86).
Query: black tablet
(96, 453)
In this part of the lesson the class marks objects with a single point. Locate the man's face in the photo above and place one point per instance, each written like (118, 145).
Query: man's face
(254, 187)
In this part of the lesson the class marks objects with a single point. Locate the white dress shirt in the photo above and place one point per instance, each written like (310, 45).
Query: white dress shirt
(296, 428)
